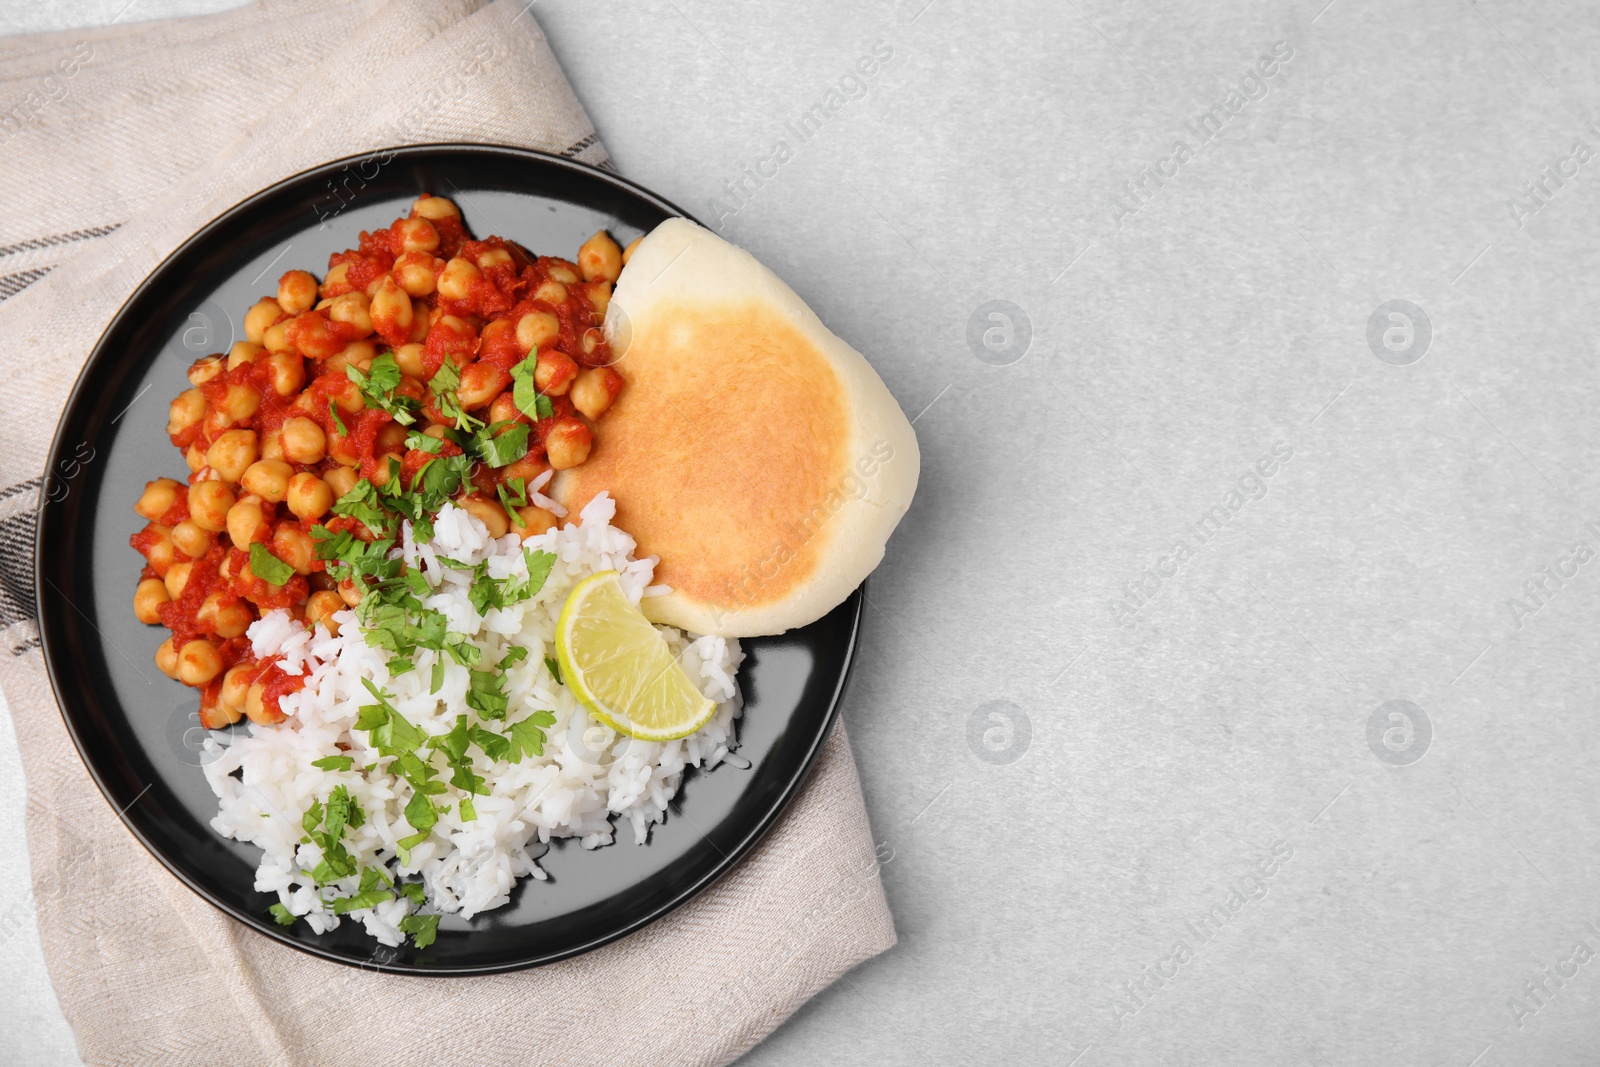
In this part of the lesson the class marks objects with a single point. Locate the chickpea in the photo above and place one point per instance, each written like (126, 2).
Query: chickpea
(236, 687)
(416, 235)
(494, 257)
(147, 598)
(417, 272)
(537, 328)
(320, 607)
(535, 521)
(528, 467)
(205, 369)
(567, 444)
(435, 208)
(192, 539)
(561, 273)
(627, 253)
(276, 338)
(272, 444)
(599, 294)
(244, 352)
(247, 523)
(238, 403)
(231, 453)
(391, 312)
(185, 411)
(294, 546)
(195, 457)
(599, 257)
(159, 554)
(303, 441)
(421, 324)
(198, 662)
(357, 354)
(350, 592)
(297, 291)
(480, 383)
(177, 577)
(158, 496)
(554, 373)
(505, 409)
(409, 359)
(255, 704)
(455, 281)
(309, 497)
(336, 281)
(551, 292)
(227, 619)
(593, 390)
(348, 397)
(286, 371)
(385, 467)
(353, 309)
(209, 503)
(167, 659)
(341, 480)
(262, 313)
(267, 479)
(487, 512)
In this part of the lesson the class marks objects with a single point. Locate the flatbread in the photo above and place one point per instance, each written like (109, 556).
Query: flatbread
(760, 457)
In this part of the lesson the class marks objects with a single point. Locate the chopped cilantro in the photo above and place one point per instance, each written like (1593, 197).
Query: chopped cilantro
(554, 667)
(333, 413)
(267, 567)
(334, 763)
(513, 494)
(525, 393)
(414, 892)
(443, 386)
(377, 385)
(501, 443)
(281, 915)
(423, 443)
(468, 812)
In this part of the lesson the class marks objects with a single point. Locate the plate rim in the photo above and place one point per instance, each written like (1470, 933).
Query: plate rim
(55, 667)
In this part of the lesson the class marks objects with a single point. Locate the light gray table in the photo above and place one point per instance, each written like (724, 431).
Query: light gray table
(1215, 703)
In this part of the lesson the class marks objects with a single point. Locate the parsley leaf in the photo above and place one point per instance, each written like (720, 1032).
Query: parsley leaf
(424, 929)
(334, 763)
(528, 736)
(554, 666)
(281, 915)
(333, 412)
(525, 393)
(414, 892)
(494, 746)
(267, 567)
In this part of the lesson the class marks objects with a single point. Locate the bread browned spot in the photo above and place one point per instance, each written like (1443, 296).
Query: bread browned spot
(731, 432)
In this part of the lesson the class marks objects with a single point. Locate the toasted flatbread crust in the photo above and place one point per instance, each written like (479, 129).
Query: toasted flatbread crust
(756, 454)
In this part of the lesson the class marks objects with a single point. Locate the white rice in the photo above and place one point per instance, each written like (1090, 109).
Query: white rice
(587, 776)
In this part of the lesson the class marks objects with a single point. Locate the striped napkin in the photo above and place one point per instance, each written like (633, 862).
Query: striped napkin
(115, 145)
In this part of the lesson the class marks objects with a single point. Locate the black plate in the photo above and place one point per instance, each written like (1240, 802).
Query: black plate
(137, 731)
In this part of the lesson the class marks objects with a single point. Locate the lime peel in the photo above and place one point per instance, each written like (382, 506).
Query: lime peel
(620, 667)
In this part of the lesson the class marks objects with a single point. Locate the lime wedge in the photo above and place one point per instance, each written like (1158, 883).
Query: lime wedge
(621, 668)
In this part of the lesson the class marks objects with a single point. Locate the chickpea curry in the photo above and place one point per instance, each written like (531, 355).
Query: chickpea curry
(424, 367)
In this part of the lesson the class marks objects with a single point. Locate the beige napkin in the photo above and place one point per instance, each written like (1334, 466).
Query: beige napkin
(118, 144)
